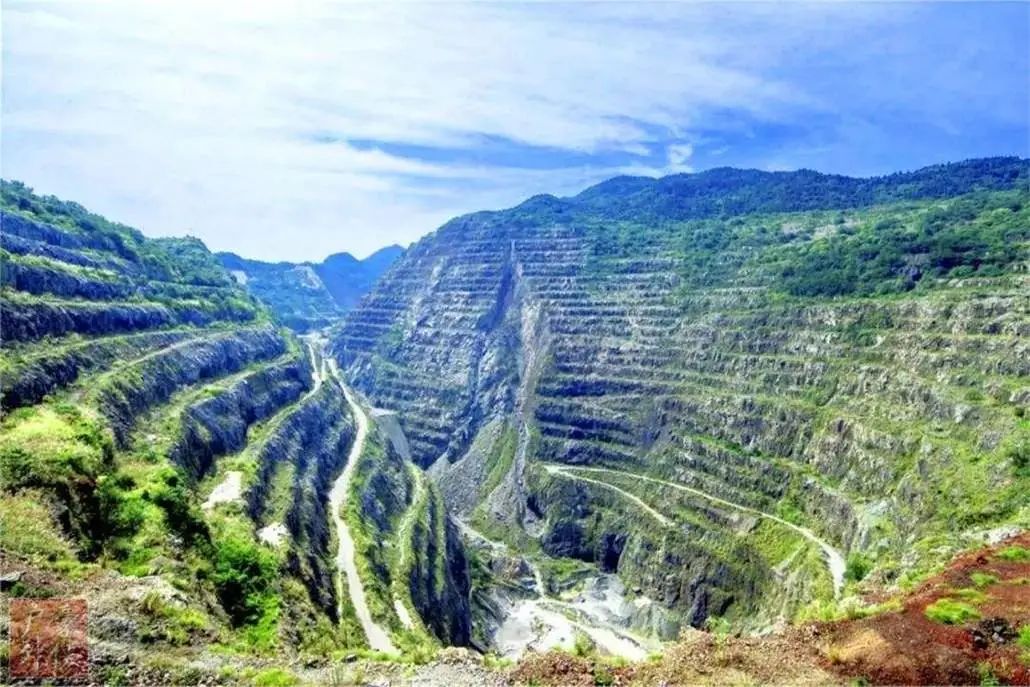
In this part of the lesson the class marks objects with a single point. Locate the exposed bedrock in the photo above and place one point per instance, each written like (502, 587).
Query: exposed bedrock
(41, 278)
(22, 227)
(31, 320)
(45, 371)
(439, 579)
(218, 425)
(152, 380)
(882, 417)
(320, 459)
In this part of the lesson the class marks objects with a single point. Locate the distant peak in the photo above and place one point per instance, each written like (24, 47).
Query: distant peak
(392, 249)
(343, 256)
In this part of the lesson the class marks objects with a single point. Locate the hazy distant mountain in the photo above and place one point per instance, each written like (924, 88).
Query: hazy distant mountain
(310, 295)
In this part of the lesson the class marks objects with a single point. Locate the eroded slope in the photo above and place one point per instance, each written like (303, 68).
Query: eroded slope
(796, 351)
(167, 452)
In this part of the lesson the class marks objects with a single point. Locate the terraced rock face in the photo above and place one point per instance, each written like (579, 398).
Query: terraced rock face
(777, 354)
(167, 451)
(309, 296)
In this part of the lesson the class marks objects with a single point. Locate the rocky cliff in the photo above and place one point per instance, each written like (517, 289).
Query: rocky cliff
(167, 451)
(740, 391)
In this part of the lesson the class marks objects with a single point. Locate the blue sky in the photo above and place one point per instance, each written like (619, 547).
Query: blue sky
(291, 130)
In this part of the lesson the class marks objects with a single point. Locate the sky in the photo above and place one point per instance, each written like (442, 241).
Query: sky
(292, 130)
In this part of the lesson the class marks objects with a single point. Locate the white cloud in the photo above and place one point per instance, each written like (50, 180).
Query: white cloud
(678, 154)
(205, 116)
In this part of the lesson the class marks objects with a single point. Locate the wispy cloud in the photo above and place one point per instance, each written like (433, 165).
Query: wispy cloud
(291, 130)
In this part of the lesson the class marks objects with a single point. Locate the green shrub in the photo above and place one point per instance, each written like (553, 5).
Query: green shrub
(275, 677)
(244, 575)
(1017, 554)
(603, 676)
(1019, 454)
(170, 493)
(983, 579)
(113, 676)
(987, 676)
(858, 567)
(951, 612)
(789, 511)
(960, 238)
(582, 645)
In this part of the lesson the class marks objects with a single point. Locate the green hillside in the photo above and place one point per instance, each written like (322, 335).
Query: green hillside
(675, 380)
(731, 400)
(167, 451)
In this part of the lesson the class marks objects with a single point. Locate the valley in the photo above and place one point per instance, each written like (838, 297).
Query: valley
(346, 568)
(308, 297)
(726, 413)
(667, 388)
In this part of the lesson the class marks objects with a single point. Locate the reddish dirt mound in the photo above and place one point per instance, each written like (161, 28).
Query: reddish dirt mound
(699, 659)
(904, 647)
(908, 647)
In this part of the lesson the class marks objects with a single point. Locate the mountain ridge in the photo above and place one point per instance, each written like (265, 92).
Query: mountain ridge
(923, 182)
(784, 341)
(630, 423)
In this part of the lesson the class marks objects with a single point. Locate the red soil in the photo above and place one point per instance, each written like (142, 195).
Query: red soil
(907, 647)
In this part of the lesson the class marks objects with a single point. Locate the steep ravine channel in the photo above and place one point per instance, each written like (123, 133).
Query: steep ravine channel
(378, 638)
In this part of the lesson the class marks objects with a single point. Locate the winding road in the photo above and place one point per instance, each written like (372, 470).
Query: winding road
(378, 638)
(557, 469)
(834, 559)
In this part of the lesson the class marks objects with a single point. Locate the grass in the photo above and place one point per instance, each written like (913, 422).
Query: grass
(279, 491)
(981, 579)
(346, 676)
(775, 542)
(275, 677)
(1023, 642)
(973, 596)
(1024, 637)
(951, 612)
(495, 662)
(27, 527)
(1014, 554)
(561, 573)
(987, 676)
(404, 557)
(51, 444)
(171, 622)
(849, 608)
(500, 460)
